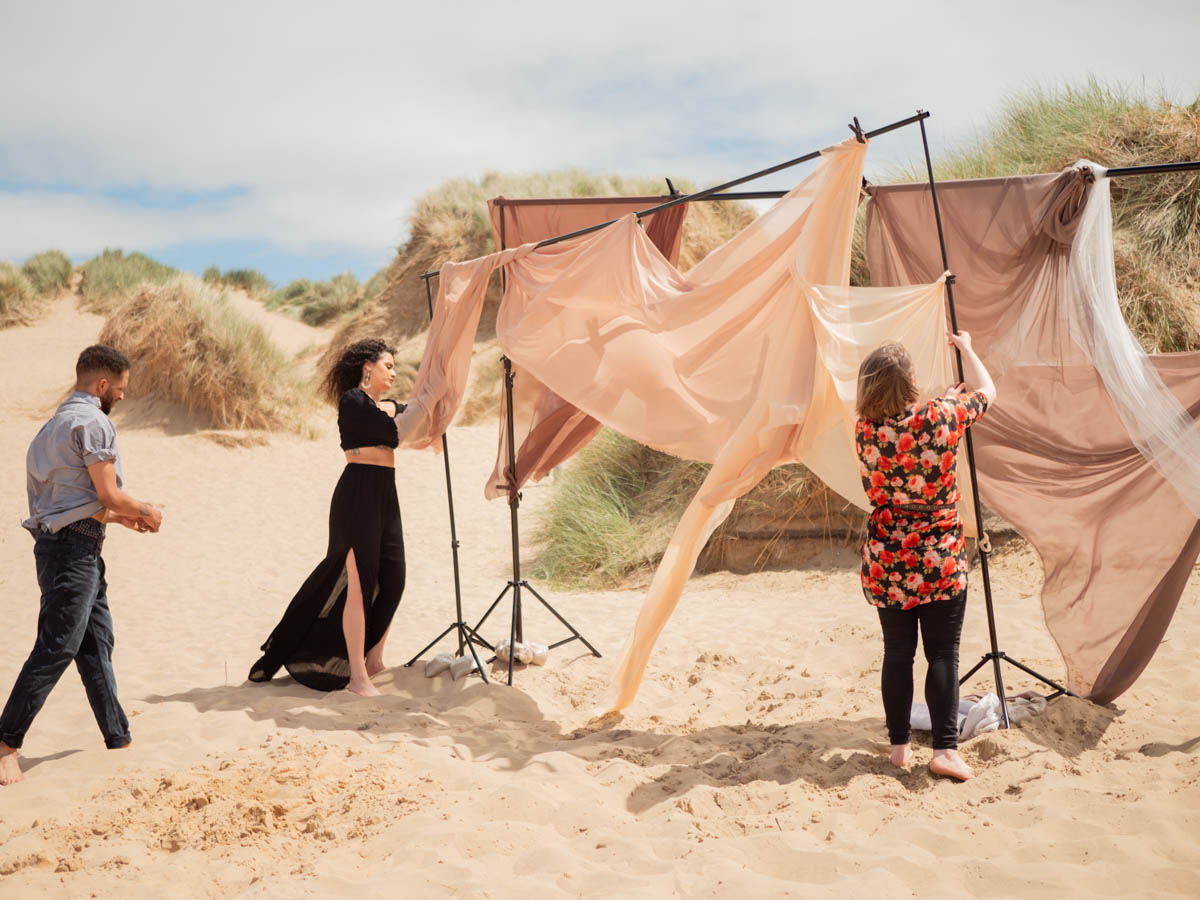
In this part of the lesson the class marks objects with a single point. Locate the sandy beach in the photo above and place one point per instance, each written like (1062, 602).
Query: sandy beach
(753, 763)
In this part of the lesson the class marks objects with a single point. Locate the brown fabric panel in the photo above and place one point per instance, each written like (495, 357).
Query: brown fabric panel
(1115, 539)
(548, 430)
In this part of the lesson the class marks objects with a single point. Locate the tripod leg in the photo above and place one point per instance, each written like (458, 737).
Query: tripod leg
(1059, 689)
(471, 646)
(429, 646)
(495, 603)
(570, 627)
(975, 668)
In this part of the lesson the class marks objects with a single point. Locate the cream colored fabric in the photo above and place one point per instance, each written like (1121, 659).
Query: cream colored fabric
(850, 322)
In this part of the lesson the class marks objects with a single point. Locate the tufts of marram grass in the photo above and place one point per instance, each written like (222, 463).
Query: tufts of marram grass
(318, 302)
(20, 303)
(48, 271)
(109, 278)
(190, 347)
(252, 281)
(631, 497)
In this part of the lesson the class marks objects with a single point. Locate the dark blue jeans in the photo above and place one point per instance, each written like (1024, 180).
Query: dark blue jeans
(941, 625)
(74, 624)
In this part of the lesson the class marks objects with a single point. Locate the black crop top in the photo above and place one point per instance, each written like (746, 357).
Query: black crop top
(363, 424)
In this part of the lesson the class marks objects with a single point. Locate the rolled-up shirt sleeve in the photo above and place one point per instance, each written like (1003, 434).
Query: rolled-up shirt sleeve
(95, 442)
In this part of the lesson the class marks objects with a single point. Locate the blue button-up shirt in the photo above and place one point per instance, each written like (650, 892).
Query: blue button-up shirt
(56, 466)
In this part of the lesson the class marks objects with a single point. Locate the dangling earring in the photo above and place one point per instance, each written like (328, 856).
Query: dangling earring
(366, 382)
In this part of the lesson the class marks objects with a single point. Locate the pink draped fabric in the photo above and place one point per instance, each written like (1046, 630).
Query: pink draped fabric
(549, 430)
(1116, 540)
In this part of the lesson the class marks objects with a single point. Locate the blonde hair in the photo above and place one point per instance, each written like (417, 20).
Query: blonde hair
(885, 382)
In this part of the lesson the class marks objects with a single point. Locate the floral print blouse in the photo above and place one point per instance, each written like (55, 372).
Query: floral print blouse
(914, 556)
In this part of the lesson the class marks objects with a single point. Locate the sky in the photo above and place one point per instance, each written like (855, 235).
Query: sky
(295, 137)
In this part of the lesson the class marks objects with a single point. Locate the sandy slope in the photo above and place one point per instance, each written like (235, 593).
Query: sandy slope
(751, 765)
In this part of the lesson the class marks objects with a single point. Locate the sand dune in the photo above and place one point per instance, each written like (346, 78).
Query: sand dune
(752, 764)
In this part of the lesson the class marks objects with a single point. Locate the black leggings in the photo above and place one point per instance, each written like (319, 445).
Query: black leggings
(941, 626)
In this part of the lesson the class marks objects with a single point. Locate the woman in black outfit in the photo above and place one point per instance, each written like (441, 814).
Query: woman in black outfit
(332, 634)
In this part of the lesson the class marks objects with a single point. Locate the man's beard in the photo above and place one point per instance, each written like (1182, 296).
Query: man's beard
(106, 401)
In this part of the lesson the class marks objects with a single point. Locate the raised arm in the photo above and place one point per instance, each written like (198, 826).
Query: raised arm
(104, 478)
(974, 371)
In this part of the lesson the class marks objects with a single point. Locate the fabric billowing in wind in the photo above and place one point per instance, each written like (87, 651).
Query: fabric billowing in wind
(548, 429)
(1064, 454)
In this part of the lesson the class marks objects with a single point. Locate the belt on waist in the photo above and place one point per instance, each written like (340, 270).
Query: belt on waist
(89, 528)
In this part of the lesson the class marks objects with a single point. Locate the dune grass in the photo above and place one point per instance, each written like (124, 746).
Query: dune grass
(48, 271)
(20, 302)
(616, 503)
(252, 281)
(110, 277)
(189, 346)
(318, 302)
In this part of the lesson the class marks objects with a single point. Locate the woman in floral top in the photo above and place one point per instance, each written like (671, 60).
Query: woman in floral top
(914, 566)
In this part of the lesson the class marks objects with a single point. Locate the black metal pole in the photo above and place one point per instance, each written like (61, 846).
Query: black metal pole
(466, 637)
(517, 630)
(1158, 169)
(708, 192)
(981, 541)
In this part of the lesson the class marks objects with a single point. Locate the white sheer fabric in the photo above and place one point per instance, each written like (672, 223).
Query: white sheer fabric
(1159, 426)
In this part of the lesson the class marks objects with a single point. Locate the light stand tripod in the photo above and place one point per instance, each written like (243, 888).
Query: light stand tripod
(995, 655)
(516, 628)
(467, 638)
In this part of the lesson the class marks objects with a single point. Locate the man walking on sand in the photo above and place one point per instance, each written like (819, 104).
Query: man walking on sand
(73, 474)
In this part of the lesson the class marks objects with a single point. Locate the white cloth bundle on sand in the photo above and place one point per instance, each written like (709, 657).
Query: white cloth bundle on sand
(535, 654)
(980, 714)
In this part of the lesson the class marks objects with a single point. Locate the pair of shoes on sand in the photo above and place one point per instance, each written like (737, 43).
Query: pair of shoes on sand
(529, 654)
(457, 666)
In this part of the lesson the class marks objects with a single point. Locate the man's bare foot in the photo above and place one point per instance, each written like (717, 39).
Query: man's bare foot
(902, 755)
(950, 764)
(362, 687)
(10, 771)
(374, 665)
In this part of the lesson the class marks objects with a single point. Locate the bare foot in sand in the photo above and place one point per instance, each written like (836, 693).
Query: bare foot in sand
(902, 755)
(10, 771)
(374, 664)
(950, 764)
(363, 688)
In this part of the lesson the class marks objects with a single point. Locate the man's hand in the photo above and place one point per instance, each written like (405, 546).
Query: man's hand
(131, 522)
(149, 517)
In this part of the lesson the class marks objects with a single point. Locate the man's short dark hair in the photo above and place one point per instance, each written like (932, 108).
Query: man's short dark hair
(98, 360)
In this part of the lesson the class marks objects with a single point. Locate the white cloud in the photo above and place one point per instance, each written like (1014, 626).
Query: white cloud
(334, 118)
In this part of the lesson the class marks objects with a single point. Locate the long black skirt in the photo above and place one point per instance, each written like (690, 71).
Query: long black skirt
(364, 516)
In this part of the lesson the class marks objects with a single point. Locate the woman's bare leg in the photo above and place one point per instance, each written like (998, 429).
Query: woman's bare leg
(374, 658)
(354, 626)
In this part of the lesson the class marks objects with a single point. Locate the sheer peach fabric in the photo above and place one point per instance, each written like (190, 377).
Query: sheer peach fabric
(718, 366)
(549, 430)
(1117, 541)
(748, 362)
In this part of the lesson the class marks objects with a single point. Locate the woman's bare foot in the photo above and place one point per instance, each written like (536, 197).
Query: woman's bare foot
(374, 664)
(902, 755)
(10, 770)
(362, 687)
(950, 764)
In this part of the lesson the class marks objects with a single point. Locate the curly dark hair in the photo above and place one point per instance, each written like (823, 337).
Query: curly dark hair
(347, 371)
(99, 359)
